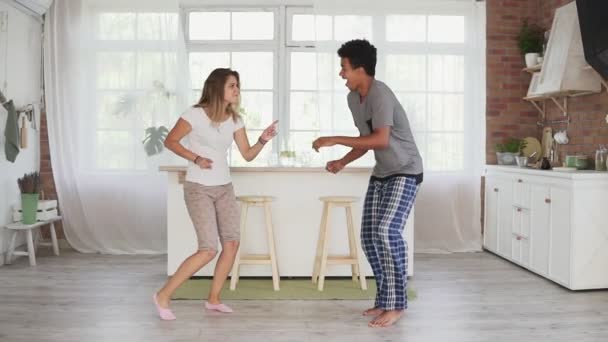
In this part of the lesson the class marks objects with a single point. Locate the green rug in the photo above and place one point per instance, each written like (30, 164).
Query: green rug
(291, 289)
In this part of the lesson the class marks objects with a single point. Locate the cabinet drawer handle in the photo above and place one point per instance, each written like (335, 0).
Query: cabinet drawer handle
(520, 181)
(547, 200)
(519, 209)
(495, 189)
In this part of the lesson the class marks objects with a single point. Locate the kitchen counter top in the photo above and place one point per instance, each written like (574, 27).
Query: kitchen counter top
(180, 168)
(579, 174)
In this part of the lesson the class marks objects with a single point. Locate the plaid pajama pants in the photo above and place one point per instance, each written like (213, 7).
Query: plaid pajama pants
(388, 203)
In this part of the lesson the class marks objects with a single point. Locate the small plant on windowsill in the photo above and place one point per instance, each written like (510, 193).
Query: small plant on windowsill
(506, 152)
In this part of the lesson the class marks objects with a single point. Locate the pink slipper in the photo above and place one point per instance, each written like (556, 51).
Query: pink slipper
(165, 314)
(218, 307)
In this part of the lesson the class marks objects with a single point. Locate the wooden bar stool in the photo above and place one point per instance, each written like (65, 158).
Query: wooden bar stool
(321, 258)
(252, 259)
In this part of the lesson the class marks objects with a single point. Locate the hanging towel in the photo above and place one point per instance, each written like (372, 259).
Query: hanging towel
(11, 132)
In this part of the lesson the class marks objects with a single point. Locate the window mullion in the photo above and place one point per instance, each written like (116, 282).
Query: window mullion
(282, 83)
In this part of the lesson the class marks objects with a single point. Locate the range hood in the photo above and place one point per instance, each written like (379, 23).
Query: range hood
(594, 29)
(33, 7)
(564, 70)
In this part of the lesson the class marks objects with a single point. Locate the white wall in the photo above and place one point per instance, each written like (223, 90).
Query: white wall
(20, 67)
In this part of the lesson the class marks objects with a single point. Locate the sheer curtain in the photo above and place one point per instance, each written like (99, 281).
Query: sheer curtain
(115, 75)
(432, 55)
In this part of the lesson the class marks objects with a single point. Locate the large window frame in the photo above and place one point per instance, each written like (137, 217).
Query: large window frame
(282, 46)
(428, 48)
(91, 128)
(231, 46)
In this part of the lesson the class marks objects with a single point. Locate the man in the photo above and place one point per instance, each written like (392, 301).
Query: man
(384, 128)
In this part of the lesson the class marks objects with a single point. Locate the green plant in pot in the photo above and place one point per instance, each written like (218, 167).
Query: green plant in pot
(29, 186)
(530, 41)
(507, 151)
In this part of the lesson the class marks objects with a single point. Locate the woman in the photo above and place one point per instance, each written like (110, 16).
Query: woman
(210, 126)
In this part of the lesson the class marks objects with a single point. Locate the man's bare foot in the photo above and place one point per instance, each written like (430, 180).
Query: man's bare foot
(386, 319)
(373, 312)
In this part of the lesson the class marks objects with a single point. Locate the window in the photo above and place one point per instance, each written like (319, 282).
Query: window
(425, 67)
(421, 57)
(317, 95)
(244, 40)
(289, 75)
(134, 62)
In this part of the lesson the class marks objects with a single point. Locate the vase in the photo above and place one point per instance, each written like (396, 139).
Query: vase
(29, 208)
(531, 59)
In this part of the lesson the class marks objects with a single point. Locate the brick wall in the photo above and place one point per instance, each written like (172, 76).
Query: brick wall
(507, 114)
(46, 172)
(588, 128)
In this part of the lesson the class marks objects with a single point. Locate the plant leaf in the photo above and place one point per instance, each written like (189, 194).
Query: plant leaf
(155, 139)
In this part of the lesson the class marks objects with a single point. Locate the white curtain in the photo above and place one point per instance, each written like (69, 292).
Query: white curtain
(432, 55)
(114, 72)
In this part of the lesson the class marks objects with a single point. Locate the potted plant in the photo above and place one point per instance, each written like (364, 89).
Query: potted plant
(29, 185)
(287, 158)
(506, 152)
(530, 41)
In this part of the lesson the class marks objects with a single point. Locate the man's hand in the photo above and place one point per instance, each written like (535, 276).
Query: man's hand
(335, 166)
(204, 163)
(322, 142)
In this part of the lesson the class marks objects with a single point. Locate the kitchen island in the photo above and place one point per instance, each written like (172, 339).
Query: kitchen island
(296, 216)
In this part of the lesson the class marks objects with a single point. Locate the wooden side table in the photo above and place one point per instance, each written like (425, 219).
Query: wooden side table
(19, 227)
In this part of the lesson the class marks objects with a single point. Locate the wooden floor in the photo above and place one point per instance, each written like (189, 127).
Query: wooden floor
(461, 297)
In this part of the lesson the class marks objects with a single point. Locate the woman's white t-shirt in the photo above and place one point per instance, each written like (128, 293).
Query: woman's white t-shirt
(212, 142)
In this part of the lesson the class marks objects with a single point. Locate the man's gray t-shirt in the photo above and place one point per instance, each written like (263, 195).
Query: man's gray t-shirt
(380, 108)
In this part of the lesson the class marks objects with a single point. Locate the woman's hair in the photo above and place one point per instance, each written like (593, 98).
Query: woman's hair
(212, 97)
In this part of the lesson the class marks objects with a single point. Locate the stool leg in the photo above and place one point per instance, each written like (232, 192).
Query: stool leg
(324, 249)
(37, 236)
(234, 278)
(31, 252)
(54, 239)
(354, 249)
(11, 247)
(272, 247)
(317, 263)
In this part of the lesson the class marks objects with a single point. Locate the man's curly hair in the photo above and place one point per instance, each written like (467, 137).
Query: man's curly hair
(360, 53)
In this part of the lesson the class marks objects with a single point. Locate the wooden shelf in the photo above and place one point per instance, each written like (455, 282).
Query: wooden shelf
(533, 69)
(538, 101)
(555, 95)
(563, 107)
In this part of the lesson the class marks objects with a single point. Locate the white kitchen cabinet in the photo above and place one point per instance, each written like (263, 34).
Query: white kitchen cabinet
(505, 218)
(498, 199)
(560, 225)
(490, 236)
(550, 223)
(539, 228)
